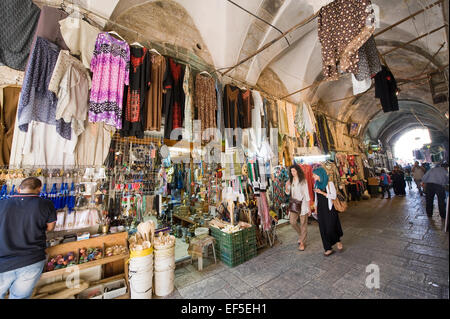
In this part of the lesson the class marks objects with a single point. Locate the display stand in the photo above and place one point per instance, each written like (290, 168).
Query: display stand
(111, 266)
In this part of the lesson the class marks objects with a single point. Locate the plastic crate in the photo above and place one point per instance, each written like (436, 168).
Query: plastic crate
(233, 260)
(248, 233)
(233, 250)
(226, 238)
(250, 252)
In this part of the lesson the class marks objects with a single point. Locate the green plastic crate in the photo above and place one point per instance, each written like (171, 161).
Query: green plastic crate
(249, 233)
(232, 260)
(229, 249)
(226, 238)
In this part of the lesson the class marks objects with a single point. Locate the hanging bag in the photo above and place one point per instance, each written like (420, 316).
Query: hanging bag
(339, 203)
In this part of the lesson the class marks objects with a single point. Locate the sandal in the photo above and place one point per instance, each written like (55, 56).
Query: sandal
(301, 247)
(339, 246)
(328, 253)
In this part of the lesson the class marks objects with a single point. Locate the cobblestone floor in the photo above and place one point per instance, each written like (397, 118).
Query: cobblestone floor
(411, 251)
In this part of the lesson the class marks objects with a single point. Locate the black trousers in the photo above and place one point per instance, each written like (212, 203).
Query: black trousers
(385, 188)
(431, 190)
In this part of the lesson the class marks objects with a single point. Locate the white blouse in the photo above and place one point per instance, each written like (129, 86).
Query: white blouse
(331, 194)
(300, 192)
(80, 37)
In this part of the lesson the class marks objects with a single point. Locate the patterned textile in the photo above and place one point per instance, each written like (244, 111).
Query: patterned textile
(206, 101)
(110, 66)
(279, 179)
(139, 84)
(369, 62)
(220, 118)
(342, 29)
(36, 101)
(263, 211)
(19, 18)
(188, 111)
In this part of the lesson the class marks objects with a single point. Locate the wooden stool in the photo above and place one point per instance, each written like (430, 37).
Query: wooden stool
(197, 245)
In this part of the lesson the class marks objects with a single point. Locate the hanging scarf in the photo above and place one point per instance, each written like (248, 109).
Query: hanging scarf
(322, 173)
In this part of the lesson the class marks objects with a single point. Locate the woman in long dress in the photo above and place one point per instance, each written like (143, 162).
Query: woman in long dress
(328, 218)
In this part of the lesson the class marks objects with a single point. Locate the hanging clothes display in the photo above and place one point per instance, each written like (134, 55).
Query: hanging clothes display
(307, 171)
(205, 102)
(93, 144)
(110, 67)
(80, 37)
(342, 30)
(256, 124)
(37, 103)
(279, 178)
(283, 126)
(368, 60)
(248, 105)
(386, 90)
(232, 108)
(272, 113)
(155, 93)
(73, 97)
(134, 109)
(290, 113)
(19, 18)
(173, 107)
(63, 63)
(188, 88)
(220, 117)
(44, 147)
(9, 99)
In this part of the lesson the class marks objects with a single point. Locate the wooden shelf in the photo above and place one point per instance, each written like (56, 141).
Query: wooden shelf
(183, 218)
(106, 260)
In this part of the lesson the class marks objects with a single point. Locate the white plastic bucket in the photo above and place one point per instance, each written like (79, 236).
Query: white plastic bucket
(140, 275)
(164, 282)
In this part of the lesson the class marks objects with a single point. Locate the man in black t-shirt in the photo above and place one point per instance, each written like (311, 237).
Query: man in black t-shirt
(24, 220)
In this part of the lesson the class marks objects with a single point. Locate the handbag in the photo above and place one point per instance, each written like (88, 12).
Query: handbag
(295, 206)
(339, 203)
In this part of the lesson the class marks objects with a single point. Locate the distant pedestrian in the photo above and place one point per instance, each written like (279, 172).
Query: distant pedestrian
(417, 174)
(328, 218)
(408, 179)
(385, 184)
(398, 182)
(435, 181)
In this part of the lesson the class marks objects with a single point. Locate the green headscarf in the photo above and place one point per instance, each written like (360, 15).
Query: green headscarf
(322, 173)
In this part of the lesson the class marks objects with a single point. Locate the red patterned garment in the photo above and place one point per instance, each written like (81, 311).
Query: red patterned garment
(135, 112)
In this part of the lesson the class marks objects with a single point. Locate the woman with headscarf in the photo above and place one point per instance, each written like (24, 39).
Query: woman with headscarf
(327, 216)
(297, 187)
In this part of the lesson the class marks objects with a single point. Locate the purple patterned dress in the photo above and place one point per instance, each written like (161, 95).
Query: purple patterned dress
(110, 66)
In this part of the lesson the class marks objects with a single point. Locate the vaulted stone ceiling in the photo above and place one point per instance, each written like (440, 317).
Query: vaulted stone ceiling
(220, 34)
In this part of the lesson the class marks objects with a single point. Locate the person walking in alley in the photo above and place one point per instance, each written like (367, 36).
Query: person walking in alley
(385, 184)
(24, 220)
(435, 181)
(328, 218)
(408, 179)
(297, 187)
(417, 174)
(398, 181)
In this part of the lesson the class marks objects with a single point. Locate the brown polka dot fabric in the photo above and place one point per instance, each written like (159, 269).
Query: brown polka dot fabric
(343, 27)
